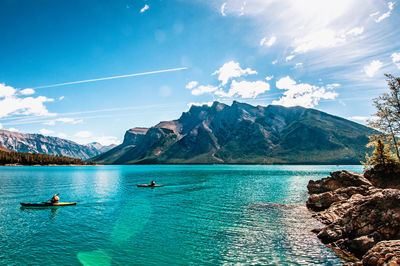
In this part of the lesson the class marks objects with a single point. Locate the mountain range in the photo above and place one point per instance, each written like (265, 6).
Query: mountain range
(244, 134)
(37, 143)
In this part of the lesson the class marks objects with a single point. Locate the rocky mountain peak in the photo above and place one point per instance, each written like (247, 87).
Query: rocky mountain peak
(242, 133)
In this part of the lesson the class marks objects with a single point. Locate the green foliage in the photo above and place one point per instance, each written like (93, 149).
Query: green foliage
(387, 122)
(20, 158)
(382, 155)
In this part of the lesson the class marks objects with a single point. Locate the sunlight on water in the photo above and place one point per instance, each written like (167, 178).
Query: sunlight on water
(131, 220)
(93, 258)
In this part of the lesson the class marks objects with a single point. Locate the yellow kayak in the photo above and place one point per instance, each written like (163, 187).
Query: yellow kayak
(47, 204)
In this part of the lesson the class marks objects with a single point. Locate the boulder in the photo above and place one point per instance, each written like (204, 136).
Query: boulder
(336, 180)
(383, 253)
(357, 216)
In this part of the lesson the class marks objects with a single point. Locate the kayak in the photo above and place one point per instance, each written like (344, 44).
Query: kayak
(145, 185)
(47, 204)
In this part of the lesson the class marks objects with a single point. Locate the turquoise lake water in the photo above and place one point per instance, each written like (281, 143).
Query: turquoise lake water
(205, 215)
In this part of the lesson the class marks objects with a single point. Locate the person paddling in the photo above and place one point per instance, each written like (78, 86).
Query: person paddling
(55, 198)
(152, 183)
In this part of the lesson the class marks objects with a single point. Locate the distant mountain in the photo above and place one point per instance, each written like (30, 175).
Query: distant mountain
(101, 148)
(37, 143)
(244, 134)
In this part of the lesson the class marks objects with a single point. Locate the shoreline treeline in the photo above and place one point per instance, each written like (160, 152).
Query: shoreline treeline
(21, 158)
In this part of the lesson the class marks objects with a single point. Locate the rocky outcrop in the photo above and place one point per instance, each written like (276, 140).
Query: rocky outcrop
(244, 134)
(37, 143)
(384, 178)
(357, 215)
(134, 136)
(383, 253)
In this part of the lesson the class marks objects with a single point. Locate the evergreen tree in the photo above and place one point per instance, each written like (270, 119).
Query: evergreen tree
(382, 155)
(387, 122)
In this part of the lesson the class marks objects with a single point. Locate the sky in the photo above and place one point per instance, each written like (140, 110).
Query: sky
(89, 70)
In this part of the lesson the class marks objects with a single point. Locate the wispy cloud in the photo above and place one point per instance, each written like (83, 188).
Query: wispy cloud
(372, 68)
(46, 132)
(268, 42)
(65, 120)
(83, 134)
(146, 7)
(222, 9)
(289, 58)
(192, 84)
(359, 118)
(396, 59)
(202, 89)
(114, 77)
(387, 14)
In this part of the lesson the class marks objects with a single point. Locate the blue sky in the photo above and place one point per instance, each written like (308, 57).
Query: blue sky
(329, 55)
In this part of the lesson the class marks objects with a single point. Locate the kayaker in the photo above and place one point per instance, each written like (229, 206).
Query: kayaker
(55, 198)
(152, 183)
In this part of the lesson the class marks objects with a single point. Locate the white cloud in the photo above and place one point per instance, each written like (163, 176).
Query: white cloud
(27, 92)
(325, 38)
(13, 129)
(372, 68)
(191, 85)
(66, 120)
(11, 103)
(69, 120)
(24, 106)
(62, 135)
(298, 65)
(107, 140)
(387, 14)
(356, 31)
(375, 14)
(61, 98)
(268, 43)
(232, 70)
(203, 89)
(6, 91)
(49, 123)
(358, 118)
(268, 78)
(302, 94)
(332, 86)
(222, 10)
(144, 8)
(275, 61)
(199, 104)
(83, 134)
(46, 132)
(290, 57)
(396, 59)
(245, 89)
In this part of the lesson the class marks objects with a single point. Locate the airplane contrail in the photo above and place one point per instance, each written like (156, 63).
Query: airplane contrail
(115, 77)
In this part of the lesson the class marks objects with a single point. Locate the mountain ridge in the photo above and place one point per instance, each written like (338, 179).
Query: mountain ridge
(38, 143)
(244, 134)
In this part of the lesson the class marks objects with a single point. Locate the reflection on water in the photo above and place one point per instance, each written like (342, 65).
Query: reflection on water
(53, 211)
(204, 215)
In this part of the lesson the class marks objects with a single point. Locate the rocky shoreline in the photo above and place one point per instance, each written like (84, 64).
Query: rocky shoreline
(361, 214)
